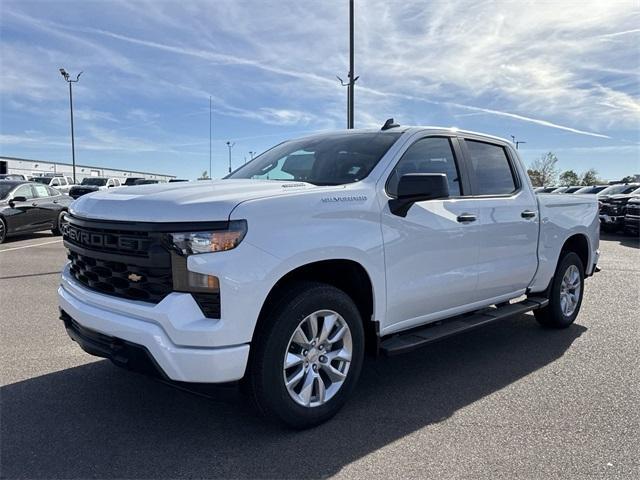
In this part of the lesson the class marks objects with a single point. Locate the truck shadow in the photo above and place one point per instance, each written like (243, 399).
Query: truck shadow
(99, 421)
(625, 240)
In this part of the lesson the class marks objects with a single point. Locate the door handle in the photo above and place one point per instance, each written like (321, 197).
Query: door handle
(466, 218)
(528, 214)
(34, 204)
(55, 201)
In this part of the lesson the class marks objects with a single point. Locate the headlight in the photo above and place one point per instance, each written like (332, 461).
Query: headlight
(190, 243)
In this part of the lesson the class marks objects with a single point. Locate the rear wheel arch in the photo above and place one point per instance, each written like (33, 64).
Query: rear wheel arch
(579, 244)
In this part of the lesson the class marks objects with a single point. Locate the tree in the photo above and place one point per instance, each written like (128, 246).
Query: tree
(629, 179)
(543, 171)
(204, 176)
(569, 177)
(590, 177)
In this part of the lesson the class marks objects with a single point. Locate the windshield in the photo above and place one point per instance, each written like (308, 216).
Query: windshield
(332, 159)
(98, 182)
(5, 189)
(620, 188)
(44, 180)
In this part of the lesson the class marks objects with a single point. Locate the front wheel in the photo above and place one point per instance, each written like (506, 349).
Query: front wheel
(3, 230)
(565, 295)
(307, 356)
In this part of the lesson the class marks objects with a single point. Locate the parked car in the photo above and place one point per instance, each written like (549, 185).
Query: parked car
(148, 181)
(283, 272)
(14, 176)
(545, 189)
(559, 190)
(591, 189)
(569, 189)
(132, 181)
(93, 184)
(613, 210)
(59, 182)
(632, 217)
(29, 207)
(617, 189)
(173, 180)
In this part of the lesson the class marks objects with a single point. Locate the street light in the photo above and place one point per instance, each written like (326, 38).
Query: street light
(67, 78)
(229, 145)
(513, 137)
(251, 154)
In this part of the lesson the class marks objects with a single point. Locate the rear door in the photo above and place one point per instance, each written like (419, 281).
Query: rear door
(431, 254)
(508, 220)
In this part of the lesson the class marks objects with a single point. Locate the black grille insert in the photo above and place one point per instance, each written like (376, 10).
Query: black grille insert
(134, 282)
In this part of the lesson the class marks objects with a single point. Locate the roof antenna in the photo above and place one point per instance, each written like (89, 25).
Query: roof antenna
(389, 124)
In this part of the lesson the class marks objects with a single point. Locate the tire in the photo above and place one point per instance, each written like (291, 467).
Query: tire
(277, 337)
(561, 312)
(3, 230)
(59, 221)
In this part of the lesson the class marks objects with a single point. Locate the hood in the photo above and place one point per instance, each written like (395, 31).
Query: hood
(199, 201)
(621, 198)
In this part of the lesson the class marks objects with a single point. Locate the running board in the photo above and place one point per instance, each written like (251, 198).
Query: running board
(416, 338)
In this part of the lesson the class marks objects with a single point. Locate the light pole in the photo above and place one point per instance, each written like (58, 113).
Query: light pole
(251, 154)
(67, 78)
(513, 137)
(351, 78)
(229, 145)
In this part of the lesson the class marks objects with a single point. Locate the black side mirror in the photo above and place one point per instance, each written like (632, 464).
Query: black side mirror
(18, 199)
(417, 187)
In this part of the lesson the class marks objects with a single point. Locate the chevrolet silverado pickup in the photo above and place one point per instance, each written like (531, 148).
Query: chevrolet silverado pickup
(284, 273)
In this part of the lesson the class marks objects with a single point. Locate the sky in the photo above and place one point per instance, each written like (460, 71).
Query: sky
(563, 76)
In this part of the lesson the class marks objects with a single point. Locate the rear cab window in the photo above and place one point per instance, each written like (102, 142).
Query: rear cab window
(492, 172)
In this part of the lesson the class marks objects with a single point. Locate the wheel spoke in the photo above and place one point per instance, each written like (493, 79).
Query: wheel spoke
(312, 321)
(333, 373)
(320, 389)
(292, 360)
(339, 334)
(327, 325)
(307, 388)
(342, 354)
(295, 379)
(300, 338)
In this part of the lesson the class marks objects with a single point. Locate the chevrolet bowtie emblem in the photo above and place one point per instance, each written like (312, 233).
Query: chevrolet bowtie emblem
(134, 277)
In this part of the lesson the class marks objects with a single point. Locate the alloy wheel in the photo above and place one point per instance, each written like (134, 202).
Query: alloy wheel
(570, 291)
(317, 359)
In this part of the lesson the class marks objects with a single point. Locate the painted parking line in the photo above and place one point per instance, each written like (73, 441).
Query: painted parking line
(29, 246)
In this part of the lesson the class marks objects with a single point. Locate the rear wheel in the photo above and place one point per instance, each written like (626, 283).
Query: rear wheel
(307, 356)
(565, 295)
(60, 221)
(3, 230)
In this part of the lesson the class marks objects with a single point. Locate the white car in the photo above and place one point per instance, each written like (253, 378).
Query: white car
(93, 184)
(61, 183)
(284, 272)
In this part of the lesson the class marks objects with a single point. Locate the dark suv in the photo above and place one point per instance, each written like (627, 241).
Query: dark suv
(632, 217)
(613, 209)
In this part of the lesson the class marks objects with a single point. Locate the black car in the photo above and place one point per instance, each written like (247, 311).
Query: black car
(93, 184)
(132, 181)
(29, 207)
(146, 181)
(632, 217)
(613, 210)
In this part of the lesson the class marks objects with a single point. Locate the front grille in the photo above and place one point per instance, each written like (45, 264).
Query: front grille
(608, 209)
(633, 209)
(131, 281)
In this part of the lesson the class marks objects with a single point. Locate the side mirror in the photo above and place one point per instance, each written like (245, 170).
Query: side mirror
(19, 199)
(417, 187)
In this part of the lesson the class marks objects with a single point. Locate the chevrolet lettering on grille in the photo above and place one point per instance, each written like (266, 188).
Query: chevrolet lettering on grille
(101, 240)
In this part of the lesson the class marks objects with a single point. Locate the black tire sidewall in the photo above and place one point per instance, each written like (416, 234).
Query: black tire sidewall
(557, 317)
(272, 341)
(3, 236)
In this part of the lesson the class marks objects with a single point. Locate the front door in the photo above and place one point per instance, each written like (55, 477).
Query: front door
(431, 255)
(21, 215)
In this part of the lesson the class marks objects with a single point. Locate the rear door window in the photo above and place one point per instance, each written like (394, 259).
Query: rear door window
(491, 169)
(41, 190)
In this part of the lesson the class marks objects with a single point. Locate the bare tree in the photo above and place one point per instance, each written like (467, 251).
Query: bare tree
(543, 171)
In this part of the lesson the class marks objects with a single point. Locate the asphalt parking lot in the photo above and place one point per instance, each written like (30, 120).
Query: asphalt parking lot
(511, 400)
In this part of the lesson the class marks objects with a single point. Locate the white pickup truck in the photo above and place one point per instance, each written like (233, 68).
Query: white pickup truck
(283, 273)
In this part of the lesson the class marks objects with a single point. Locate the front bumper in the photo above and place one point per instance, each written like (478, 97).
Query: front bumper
(632, 222)
(612, 219)
(177, 338)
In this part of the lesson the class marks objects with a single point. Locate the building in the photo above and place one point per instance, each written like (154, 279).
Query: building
(40, 167)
